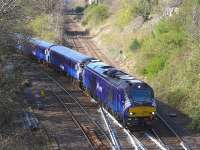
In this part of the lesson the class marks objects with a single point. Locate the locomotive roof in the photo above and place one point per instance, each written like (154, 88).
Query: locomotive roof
(41, 43)
(116, 77)
(69, 53)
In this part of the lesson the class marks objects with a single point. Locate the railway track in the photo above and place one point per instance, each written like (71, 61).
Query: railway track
(163, 136)
(93, 132)
(83, 43)
(175, 142)
(55, 136)
(55, 145)
(142, 140)
(122, 137)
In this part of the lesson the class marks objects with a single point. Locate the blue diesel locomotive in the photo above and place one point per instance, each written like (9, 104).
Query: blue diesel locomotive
(129, 100)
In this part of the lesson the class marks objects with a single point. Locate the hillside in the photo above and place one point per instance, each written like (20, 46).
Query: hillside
(157, 41)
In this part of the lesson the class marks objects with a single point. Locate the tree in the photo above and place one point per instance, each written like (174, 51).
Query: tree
(15, 14)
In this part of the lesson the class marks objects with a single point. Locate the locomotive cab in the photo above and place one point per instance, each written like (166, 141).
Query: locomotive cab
(142, 107)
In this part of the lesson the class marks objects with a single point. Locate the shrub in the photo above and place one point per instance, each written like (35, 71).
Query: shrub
(125, 14)
(195, 119)
(176, 97)
(171, 33)
(144, 9)
(197, 2)
(79, 9)
(155, 65)
(135, 45)
(95, 14)
(166, 41)
(41, 29)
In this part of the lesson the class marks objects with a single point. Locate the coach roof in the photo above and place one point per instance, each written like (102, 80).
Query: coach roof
(69, 53)
(41, 43)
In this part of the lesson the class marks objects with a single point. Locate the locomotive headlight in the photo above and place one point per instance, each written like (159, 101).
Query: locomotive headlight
(131, 113)
(153, 113)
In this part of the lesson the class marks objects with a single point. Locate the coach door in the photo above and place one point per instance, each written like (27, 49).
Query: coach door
(47, 55)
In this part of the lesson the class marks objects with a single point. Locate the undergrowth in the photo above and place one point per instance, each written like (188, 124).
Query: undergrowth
(95, 15)
(171, 62)
(41, 27)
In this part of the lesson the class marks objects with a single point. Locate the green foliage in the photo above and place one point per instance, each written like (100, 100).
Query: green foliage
(79, 9)
(170, 61)
(176, 97)
(195, 120)
(126, 13)
(41, 29)
(135, 45)
(167, 40)
(197, 2)
(130, 9)
(144, 9)
(155, 65)
(170, 32)
(95, 14)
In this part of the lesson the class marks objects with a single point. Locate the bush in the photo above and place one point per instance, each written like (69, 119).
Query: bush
(135, 45)
(176, 97)
(130, 9)
(197, 2)
(195, 120)
(125, 14)
(155, 65)
(41, 28)
(79, 9)
(171, 33)
(166, 41)
(144, 9)
(95, 14)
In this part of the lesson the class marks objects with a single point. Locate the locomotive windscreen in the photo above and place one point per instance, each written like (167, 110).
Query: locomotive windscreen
(139, 94)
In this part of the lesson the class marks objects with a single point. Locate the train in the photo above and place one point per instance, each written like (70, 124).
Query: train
(128, 99)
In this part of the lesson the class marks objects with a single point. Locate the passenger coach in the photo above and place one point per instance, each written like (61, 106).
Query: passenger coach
(68, 60)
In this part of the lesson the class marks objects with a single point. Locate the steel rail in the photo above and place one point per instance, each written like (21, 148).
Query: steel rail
(75, 120)
(100, 55)
(81, 107)
(115, 140)
(50, 138)
(140, 145)
(182, 143)
(159, 139)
